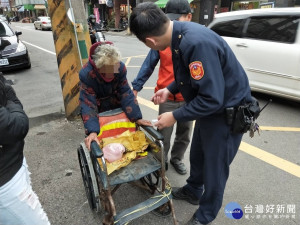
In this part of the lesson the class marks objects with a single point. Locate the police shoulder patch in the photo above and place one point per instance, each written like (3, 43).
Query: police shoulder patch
(196, 70)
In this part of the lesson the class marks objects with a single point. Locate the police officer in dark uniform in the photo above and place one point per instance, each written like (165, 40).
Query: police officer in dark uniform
(211, 81)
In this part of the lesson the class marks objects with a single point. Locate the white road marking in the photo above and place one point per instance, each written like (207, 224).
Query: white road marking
(53, 53)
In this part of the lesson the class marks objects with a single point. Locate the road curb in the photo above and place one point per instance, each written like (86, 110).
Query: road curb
(39, 120)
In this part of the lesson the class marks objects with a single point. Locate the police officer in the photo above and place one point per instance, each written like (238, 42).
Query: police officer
(210, 79)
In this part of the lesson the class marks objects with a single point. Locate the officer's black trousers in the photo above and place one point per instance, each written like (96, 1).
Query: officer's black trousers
(212, 151)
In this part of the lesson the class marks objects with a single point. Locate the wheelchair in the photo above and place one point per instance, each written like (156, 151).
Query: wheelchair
(146, 172)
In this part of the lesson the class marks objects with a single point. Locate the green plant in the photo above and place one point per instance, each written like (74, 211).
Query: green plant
(111, 22)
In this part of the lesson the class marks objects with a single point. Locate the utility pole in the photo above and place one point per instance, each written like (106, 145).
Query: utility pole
(46, 7)
(207, 11)
(72, 43)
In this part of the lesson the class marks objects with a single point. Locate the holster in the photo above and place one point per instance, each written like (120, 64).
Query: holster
(241, 117)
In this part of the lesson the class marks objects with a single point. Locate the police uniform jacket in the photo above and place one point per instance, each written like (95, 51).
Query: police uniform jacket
(206, 71)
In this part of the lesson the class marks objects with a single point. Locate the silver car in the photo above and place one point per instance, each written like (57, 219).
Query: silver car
(42, 23)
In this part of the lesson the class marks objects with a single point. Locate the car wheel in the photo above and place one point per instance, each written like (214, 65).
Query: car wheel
(28, 66)
(35, 27)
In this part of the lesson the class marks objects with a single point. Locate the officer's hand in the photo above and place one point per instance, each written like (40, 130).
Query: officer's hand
(88, 140)
(165, 120)
(160, 96)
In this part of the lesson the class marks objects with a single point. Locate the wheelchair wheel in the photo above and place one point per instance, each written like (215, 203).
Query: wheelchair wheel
(152, 180)
(87, 180)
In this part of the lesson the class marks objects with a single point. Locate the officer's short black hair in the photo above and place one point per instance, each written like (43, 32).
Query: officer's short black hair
(147, 20)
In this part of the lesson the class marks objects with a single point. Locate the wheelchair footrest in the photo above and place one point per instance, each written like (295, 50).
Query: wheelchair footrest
(142, 208)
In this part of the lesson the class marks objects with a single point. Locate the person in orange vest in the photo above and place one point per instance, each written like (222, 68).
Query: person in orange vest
(176, 10)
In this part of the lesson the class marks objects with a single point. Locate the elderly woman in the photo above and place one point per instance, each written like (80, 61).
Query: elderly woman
(103, 87)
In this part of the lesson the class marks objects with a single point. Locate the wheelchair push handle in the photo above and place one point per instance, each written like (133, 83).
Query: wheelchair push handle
(153, 132)
(96, 150)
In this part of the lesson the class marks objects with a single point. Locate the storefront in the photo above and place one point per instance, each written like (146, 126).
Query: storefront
(244, 5)
(234, 5)
(40, 10)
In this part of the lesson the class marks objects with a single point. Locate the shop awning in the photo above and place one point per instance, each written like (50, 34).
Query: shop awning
(162, 3)
(21, 9)
(29, 7)
(39, 6)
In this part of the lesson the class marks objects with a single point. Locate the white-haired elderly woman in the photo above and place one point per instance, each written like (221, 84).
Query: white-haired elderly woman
(103, 87)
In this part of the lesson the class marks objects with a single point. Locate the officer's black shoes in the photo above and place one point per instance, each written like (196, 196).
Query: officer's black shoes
(184, 194)
(179, 167)
(195, 221)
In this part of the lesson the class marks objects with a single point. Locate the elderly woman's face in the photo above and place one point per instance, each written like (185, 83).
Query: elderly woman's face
(108, 71)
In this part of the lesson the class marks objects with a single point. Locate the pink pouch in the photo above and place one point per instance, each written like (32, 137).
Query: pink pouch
(113, 152)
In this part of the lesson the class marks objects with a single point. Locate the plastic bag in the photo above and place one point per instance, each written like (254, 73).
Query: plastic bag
(113, 152)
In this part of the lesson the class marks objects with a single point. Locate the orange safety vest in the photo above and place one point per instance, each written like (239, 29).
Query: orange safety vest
(166, 73)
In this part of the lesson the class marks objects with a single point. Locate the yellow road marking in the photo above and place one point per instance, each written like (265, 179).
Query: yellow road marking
(251, 150)
(147, 103)
(127, 61)
(271, 159)
(294, 129)
(136, 56)
(148, 88)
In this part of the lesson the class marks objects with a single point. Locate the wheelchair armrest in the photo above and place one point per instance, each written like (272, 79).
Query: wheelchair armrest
(153, 132)
(96, 150)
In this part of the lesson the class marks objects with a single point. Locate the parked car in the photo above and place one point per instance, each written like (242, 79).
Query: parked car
(42, 23)
(13, 52)
(267, 44)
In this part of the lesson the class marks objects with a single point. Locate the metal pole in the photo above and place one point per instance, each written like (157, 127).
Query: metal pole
(206, 11)
(74, 26)
(128, 15)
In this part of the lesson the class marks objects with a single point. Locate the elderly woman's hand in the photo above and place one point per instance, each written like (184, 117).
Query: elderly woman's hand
(88, 140)
(144, 122)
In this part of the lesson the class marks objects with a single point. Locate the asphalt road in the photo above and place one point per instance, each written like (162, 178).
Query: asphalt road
(264, 176)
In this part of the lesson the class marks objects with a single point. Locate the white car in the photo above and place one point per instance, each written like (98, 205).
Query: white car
(42, 23)
(267, 44)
